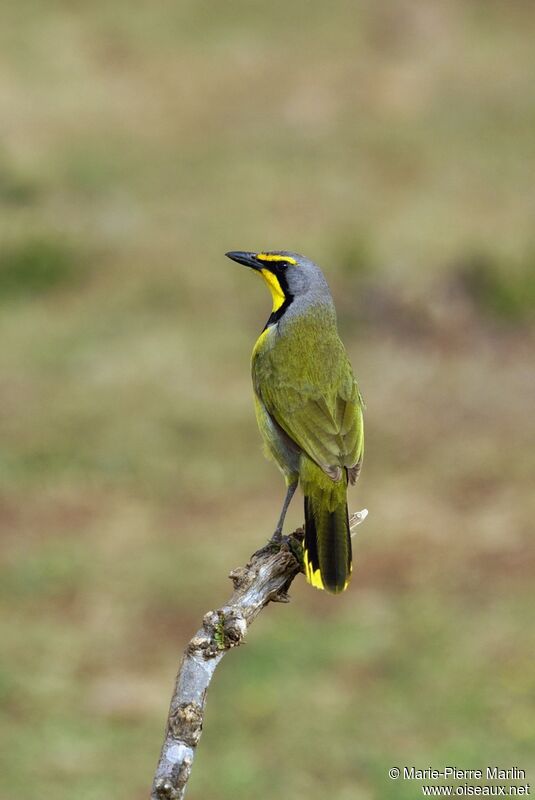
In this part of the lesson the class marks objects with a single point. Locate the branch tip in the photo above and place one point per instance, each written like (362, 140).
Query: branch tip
(356, 518)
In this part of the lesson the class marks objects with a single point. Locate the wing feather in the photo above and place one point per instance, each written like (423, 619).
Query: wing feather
(327, 427)
(304, 379)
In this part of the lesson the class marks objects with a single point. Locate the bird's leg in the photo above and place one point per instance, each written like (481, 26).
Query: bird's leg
(277, 536)
(276, 540)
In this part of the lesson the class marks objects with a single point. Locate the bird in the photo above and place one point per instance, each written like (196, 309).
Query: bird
(308, 408)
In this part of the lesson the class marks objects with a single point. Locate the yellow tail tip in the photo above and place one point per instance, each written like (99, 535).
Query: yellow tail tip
(313, 576)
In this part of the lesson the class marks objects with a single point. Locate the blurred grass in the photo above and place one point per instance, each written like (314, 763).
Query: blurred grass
(389, 142)
(35, 267)
(502, 293)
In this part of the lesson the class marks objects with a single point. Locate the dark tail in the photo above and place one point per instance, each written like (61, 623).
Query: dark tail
(327, 546)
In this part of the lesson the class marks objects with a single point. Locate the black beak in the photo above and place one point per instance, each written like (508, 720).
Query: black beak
(248, 259)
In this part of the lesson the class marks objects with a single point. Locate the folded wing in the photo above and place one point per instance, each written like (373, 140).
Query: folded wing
(327, 426)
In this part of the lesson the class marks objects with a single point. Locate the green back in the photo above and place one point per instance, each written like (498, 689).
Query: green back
(302, 374)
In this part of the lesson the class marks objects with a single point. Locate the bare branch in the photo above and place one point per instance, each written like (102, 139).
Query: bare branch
(267, 577)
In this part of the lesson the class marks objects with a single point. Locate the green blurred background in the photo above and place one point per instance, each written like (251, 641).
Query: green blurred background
(393, 143)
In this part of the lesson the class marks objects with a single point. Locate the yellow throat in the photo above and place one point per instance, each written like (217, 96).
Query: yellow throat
(274, 287)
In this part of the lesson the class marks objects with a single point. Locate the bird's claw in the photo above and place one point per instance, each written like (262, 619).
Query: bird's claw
(273, 546)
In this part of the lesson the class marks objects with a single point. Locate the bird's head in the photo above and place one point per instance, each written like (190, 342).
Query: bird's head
(288, 275)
